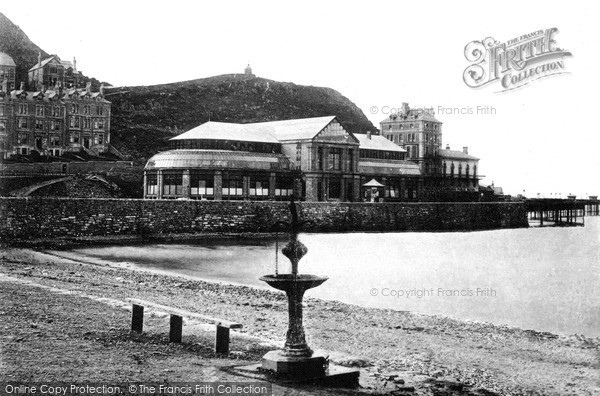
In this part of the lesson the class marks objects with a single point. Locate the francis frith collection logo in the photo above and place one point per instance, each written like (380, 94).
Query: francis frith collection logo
(516, 62)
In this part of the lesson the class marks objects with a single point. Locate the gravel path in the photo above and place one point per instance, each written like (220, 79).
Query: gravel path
(398, 352)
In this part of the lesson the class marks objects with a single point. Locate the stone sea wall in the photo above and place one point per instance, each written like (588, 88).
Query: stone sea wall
(29, 218)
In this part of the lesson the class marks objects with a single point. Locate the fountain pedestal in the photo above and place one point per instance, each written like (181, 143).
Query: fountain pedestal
(296, 361)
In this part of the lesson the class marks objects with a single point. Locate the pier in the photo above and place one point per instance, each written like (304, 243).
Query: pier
(560, 212)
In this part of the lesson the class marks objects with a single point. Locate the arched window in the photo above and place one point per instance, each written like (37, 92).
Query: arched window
(452, 169)
(445, 168)
(467, 171)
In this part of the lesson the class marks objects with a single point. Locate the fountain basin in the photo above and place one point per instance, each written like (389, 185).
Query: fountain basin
(287, 282)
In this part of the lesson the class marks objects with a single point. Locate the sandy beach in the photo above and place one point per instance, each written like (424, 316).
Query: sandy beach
(398, 352)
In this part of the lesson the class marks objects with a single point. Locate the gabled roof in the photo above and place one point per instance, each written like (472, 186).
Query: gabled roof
(266, 132)
(228, 131)
(45, 62)
(67, 64)
(6, 60)
(455, 154)
(296, 129)
(377, 142)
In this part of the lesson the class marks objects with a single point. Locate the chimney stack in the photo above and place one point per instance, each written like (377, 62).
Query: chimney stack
(466, 150)
(39, 59)
(88, 87)
(102, 89)
(447, 146)
(405, 108)
(74, 64)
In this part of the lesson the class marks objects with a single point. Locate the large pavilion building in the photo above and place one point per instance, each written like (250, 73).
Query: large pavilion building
(313, 158)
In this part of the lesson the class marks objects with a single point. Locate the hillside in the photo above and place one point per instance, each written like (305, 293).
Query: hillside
(24, 52)
(144, 118)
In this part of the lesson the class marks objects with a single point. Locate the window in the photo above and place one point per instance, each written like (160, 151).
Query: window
(53, 69)
(2, 125)
(232, 186)
(259, 186)
(336, 158)
(202, 185)
(320, 157)
(1, 111)
(172, 184)
(392, 189)
(99, 110)
(39, 110)
(87, 123)
(335, 188)
(56, 111)
(299, 152)
(351, 160)
(54, 140)
(151, 184)
(22, 123)
(284, 187)
(39, 124)
(75, 137)
(22, 138)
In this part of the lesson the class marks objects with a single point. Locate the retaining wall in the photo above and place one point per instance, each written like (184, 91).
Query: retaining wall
(27, 218)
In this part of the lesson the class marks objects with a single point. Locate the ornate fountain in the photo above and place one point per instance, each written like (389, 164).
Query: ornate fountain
(296, 361)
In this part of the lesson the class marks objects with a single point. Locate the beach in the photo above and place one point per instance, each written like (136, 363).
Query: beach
(396, 351)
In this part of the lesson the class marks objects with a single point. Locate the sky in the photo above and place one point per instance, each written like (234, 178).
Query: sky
(538, 139)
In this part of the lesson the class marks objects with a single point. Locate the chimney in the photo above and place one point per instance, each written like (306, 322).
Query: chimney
(369, 135)
(74, 64)
(466, 150)
(39, 59)
(405, 108)
(88, 87)
(447, 146)
(102, 89)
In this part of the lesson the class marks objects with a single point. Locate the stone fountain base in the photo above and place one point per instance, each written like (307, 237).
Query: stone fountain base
(301, 368)
(287, 370)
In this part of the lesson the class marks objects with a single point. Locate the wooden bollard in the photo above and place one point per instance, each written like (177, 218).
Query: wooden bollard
(137, 318)
(176, 328)
(222, 340)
